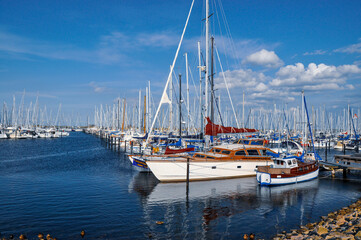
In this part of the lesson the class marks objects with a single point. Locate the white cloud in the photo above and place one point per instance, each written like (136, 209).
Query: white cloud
(354, 48)
(316, 52)
(265, 58)
(240, 78)
(315, 77)
(96, 87)
(115, 47)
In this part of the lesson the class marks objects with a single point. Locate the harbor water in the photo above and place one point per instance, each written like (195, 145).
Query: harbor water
(62, 186)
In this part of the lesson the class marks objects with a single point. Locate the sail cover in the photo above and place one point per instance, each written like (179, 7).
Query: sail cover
(212, 129)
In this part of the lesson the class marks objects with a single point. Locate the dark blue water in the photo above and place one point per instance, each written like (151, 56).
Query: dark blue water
(61, 186)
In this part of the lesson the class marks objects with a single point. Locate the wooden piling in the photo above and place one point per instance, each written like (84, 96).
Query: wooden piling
(326, 153)
(187, 180)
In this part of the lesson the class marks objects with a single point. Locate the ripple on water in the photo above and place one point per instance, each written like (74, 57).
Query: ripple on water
(62, 186)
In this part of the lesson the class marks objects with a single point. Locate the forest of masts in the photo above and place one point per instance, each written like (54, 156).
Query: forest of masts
(139, 116)
(32, 115)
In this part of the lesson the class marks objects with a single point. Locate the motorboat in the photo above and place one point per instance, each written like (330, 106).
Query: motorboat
(287, 171)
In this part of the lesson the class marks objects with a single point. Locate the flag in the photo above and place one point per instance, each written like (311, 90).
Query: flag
(355, 116)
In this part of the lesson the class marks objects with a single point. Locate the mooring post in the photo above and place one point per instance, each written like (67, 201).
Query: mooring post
(357, 150)
(125, 146)
(187, 182)
(344, 148)
(131, 147)
(326, 153)
(187, 185)
(344, 173)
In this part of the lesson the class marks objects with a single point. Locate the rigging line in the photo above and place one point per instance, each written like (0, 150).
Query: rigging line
(194, 85)
(228, 32)
(220, 116)
(176, 97)
(249, 114)
(221, 34)
(172, 67)
(225, 81)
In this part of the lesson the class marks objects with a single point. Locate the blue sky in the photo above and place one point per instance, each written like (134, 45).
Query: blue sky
(87, 53)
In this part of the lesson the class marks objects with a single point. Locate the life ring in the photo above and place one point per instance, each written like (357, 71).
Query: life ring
(298, 154)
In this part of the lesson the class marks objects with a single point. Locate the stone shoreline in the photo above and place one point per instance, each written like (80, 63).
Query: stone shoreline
(342, 224)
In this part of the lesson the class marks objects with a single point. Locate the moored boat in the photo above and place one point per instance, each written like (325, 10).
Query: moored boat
(287, 171)
(221, 162)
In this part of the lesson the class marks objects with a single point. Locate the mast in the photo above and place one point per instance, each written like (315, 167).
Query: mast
(180, 106)
(188, 113)
(165, 98)
(124, 101)
(145, 114)
(207, 58)
(139, 112)
(212, 83)
(118, 114)
(149, 105)
(200, 87)
(171, 103)
(243, 112)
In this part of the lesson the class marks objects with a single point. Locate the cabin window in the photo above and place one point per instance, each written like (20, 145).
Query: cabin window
(294, 161)
(289, 162)
(300, 169)
(199, 156)
(217, 150)
(226, 152)
(239, 166)
(210, 157)
(306, 168)
(240, 153)
(264, 152)
(253, 152)
(214, 167)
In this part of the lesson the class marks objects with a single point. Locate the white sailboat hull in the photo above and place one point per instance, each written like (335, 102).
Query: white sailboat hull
(176, 171)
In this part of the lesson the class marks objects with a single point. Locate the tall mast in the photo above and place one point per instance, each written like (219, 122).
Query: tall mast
(200, 87)
(171, 101)
(124, 101)
(212, 83)
(139, 112)
(149, 105)
(118, 114)
(243, 112)
(180, 106)
(207, 58)
(145, 114)
(188, 113)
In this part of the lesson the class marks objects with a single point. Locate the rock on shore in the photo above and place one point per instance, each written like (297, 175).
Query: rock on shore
(342, 224)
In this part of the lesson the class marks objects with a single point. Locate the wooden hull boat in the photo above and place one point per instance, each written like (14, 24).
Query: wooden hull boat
(287, 171)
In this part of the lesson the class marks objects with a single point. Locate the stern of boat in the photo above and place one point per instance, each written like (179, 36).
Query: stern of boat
(263, 178)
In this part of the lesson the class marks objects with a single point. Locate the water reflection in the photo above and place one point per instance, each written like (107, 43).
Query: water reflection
(221, 203)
